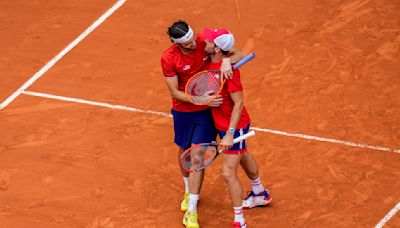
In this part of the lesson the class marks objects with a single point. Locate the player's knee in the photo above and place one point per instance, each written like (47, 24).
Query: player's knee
(229, 173)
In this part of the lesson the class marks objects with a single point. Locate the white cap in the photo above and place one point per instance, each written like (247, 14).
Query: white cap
(221, 37)
(225, 42)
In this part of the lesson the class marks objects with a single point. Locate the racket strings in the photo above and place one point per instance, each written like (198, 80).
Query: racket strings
(204, 87)
(198, 158)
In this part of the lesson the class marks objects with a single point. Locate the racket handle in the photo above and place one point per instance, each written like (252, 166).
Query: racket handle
(243, 137)
(243, 61)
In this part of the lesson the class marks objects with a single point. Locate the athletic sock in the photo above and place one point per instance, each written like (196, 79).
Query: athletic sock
(193, 199)
(186, 181)
(257, 186)
(239, 215)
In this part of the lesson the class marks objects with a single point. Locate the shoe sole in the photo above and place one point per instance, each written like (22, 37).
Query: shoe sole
(259, 205)
(185, 225)
(190, 226)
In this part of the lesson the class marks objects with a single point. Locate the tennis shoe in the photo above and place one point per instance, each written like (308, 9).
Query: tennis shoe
(239, 225)
(190, 220)
(253, 200)
(185, 202)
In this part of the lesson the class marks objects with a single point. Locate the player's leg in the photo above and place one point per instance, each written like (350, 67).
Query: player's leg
(183, 128)
(249, 165)
(185, 176)
(195, 184)
(203, 131)
(232, 158)
(259, 196)
(229, 170)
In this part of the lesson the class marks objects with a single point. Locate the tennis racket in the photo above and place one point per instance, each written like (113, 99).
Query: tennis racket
(202, 155)
(203, 87)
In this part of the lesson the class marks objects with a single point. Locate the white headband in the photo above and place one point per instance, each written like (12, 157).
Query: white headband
(185, 38)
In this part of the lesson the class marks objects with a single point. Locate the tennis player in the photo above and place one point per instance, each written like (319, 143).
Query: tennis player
(192, 124)
(232, 120)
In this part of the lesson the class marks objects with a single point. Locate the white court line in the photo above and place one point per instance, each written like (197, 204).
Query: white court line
(95, 103)
(310, 137)
(51, 63)
(388, 216)
(324, 139)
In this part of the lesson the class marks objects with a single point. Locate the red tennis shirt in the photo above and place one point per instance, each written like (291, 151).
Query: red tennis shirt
(222, 114)
(176, 63)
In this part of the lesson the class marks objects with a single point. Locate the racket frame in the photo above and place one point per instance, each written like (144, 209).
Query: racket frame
(214, 144)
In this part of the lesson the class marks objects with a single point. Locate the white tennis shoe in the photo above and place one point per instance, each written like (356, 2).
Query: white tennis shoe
(259, 200)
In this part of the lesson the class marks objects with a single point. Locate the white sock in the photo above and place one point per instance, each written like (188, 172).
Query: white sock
(257, 186)
(193, 199)
(186, 180)
(239, 215)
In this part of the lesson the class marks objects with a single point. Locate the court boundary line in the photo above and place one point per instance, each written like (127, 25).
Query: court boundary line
(93, 103)
(61, 54)
(388, 216)
(271, 131)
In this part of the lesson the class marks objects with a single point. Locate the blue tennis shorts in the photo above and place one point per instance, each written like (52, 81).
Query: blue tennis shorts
(193, 128)
(240, 147)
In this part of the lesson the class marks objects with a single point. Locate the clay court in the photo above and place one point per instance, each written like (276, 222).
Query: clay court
(87, 139)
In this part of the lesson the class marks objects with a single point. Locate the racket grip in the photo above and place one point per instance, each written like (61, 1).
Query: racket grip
(243, 61)
(243, 137)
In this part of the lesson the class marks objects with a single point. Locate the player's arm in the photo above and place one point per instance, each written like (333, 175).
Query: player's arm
(172, 84)
(235, 56)
(237, 98)
(171, 78)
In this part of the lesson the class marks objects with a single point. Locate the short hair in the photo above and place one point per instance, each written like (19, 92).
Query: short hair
(178, 29)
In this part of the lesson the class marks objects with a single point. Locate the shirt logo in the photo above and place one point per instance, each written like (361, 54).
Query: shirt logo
(186, 67)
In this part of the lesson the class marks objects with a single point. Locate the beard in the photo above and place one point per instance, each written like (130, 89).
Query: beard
(190, 48)
(210, 52)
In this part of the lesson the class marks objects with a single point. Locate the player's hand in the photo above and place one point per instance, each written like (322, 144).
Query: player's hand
(226, 68)
(216, 100)
(227, 141)
(208, 95)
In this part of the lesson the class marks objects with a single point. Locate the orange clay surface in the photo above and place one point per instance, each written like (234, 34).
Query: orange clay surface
(323, 68)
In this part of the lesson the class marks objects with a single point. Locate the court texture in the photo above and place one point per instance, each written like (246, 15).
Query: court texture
(86, 136)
